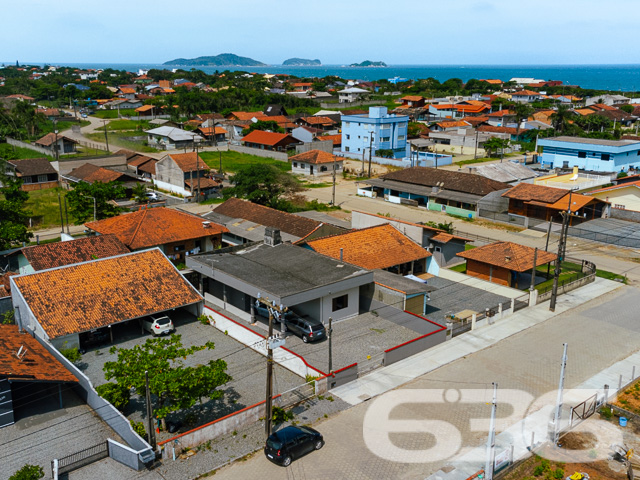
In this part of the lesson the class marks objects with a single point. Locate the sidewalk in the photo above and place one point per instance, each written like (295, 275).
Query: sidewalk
(393, 376)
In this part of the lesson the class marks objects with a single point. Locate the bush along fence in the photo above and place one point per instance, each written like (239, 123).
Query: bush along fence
(585, 274)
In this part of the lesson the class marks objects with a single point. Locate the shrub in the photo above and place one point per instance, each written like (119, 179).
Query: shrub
(71, 354)
(28, 472)
(8, 317)
(203, 319)
(280, 415)
(138, 427)
(117, 395)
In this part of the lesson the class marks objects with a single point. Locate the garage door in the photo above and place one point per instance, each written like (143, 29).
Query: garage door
(6, 404)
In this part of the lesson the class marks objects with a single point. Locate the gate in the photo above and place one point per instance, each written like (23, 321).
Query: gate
(583, 410)
(82, 458)
(371, 363)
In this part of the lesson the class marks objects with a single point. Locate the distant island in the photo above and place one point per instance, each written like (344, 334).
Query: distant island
(222, 60)
(368, 63)
(301, 62)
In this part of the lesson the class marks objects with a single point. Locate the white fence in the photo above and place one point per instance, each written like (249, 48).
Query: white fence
(30, 146)
(282, 156)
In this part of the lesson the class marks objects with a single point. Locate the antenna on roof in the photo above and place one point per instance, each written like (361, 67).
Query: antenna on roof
(21, 352)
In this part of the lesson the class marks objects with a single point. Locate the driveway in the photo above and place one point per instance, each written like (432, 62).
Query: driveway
(600, 333)
(246, 367)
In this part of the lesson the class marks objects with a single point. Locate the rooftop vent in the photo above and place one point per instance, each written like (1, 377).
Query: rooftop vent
(272, 236)
(206, 224)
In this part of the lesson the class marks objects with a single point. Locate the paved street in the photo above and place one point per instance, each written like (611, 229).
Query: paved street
(617, 260)
(599, 333)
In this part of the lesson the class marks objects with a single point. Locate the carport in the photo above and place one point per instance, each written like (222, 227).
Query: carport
(62, 304)
(29, 374)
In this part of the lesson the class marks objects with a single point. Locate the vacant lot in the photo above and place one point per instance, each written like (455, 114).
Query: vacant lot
(233, 161)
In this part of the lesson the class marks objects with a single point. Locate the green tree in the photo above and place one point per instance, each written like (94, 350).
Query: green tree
(626, 108)
(81, 200)
(560, 118)
(28, 472)
(266, 125)
(494, 144)
(140, 193)
(263, 184)
(173, 385)
(13, 214)
(523, 111)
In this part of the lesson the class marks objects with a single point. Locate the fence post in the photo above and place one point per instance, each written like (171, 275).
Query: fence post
(500, 310)
(620, 383)
(606, 393)
(473, 321)
(54, 469)
(633, 373)
(513, 304)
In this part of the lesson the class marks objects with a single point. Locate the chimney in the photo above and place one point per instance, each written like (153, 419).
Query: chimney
(272, 236)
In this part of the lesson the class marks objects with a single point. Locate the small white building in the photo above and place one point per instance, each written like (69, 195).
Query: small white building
(352, 94)
(316, 163)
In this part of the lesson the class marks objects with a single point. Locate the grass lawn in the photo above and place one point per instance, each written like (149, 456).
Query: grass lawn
(475, 160)
(462, 268)
(7, 151)
(232, 161)
(599, 273)
(119, 140)
(44, 203)
(105, 114)
(124, 124)
(468, 246)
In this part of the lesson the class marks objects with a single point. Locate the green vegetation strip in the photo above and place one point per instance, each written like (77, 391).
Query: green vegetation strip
(233, 161)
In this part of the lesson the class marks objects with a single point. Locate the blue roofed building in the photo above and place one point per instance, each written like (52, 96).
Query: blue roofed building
(377, 130)
(590, 153)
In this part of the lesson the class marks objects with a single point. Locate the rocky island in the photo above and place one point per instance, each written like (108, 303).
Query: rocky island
(301, 62)
(222, 60)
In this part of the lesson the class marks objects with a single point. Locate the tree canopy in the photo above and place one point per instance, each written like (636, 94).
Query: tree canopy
(81, 200)
(13, 214)
(174, 385)
(263, 184)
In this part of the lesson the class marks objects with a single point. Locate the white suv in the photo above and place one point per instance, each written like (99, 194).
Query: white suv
(158, 325)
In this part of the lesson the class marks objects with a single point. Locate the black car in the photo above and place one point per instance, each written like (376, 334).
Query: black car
(290, 443)
(308, 329)
(262, 310)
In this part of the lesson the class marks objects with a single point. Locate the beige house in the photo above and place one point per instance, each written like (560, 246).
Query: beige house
(316, 163)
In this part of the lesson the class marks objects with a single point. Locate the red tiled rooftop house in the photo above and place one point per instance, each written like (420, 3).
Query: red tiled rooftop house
(277, 142)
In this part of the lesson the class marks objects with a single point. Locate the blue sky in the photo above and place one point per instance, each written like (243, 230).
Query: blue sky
(396, 32)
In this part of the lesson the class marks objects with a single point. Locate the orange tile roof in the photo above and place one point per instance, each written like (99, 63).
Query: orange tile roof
(508, 255)
(471, 108)
(577, 202)
(635, 184)
(205, 182)
(37, 364)
(494, 129)
(155, 226)
(127, 90)
(78, 298)
(250, 115)
(336, 139)
(501, 113)
(212, 130)
(442, 106)
(525, 93)
(319, 120)
(265, 138)
(92, 173)
(189, 162)
(453, 124)
(492, 81)
(412, 98)
(528, 192)
(584, 111)
(425, 227)
(51, 255)
(381, 246)
(145, 108)
(316, 157)
(50, 138)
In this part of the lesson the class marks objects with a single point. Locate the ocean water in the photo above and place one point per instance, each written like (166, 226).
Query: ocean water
(605, 77)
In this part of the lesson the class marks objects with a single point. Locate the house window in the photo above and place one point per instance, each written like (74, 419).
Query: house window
(338, 303)
(438, 249)
(346, 149)
(401, 137)
(323, 168)
(582, 154)
(605, 156)
(178, 248)
(345, 124)
(295, 164)
(42, 178)
(349, 138)
(617, 205)
(385, 139)
(27, 180)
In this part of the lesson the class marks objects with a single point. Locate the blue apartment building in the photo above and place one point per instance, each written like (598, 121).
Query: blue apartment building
(389, 132)
(590, 154)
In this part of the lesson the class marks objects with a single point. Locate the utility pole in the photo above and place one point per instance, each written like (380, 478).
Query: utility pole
(220, 169)
(556, 273)
(57, 149)
(491, 441)
(329, 332)
(533, 269)
(150, 425)
(475, 153)
(61, 219)
(198, 168)
(558, 414)
(269, 395)
(333, 193)
(106, 137)
(370, 147)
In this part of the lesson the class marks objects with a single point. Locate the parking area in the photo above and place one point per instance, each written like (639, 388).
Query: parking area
(43, 431)
(354, 339)
(451, 298)
(609, 230)
(246, 367)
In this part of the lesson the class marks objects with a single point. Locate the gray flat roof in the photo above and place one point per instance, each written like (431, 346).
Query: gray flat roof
(244, 228)
(398, 282)
(592, 141)
(283, 270)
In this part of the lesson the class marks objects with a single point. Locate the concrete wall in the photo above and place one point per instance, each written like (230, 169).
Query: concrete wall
(168, 172)
(172, 188)
(30, 146)
(260, 153)
(64, 166)
(412, 347)
(343, 376)
(628, 215)
(125, 455)
(323, 145)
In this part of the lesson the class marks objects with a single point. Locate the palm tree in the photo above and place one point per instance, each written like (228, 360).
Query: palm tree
(560, 118)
